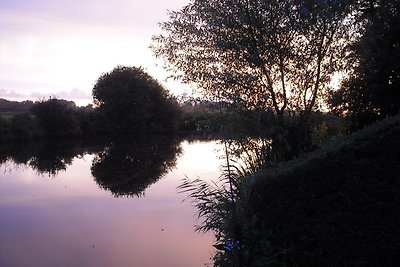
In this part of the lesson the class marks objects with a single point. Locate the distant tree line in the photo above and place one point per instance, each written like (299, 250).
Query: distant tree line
(49, 119)
(126, 101)
(6, 105)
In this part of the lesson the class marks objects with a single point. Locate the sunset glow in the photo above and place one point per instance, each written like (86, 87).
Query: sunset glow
(60, 48)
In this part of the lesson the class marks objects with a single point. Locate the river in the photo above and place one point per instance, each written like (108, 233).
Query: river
(110, 205)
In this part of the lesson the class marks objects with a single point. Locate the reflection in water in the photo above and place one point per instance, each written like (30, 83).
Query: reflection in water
(70, 221)
(129, 166)
(49, 157)
(52, 158)
(125, 167)
(216, 202)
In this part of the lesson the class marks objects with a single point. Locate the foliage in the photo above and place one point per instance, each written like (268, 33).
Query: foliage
(212, 203)
(24, 127)
(131, 101)
(372, 91)
(326, 126)
(18, 126)
(334, 206)
(15, 106)
(200, 118)
(275, 55)
(248, 155)
(216, 206)
(52, 118)
(260, 146)
(57, 118)
(91, 122)
(5, 133)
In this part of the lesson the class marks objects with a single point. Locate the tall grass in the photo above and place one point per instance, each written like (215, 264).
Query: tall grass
(216, 201)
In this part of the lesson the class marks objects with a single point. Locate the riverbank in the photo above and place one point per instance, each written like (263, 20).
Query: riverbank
(338, 206)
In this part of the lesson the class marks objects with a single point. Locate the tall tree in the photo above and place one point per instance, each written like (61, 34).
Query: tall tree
(131, 101)
(268, 54)
(372, 90)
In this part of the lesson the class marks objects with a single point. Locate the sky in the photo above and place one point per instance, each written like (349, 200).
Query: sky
(59, 48)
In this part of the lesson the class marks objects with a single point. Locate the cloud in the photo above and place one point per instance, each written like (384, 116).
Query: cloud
(48, 47)
(103, 13)
(9, 94)
(74, 94)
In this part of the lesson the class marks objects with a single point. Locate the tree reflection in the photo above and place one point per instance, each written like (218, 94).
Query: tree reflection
(125, 167)
(49, 157)
(53, 157)
(128, 167)
(4, 153)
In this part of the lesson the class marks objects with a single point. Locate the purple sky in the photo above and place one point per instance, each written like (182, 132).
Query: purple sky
(60, 47)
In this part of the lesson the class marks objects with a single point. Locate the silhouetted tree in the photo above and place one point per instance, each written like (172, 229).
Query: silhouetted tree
(131, 101)
(271, 55)
(24, 127)
(15, 106)
(90, 121)
(5, 132)
(57, 117)
(372, 91)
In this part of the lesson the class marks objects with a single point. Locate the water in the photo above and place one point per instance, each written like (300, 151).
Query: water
(116, 205)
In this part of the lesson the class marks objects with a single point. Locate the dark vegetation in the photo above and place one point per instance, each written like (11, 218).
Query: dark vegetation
(128, 101)
(335, 207)
(267, 66)
(131, 101)
(272, 61)
(59, 119)
(6, 105)
(48, 119)
(273, 58)
(372, 91)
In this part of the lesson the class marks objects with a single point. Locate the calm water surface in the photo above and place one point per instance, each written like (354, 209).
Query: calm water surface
(83, 212)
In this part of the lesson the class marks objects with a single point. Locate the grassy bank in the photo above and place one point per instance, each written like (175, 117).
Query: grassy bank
(338, 206)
